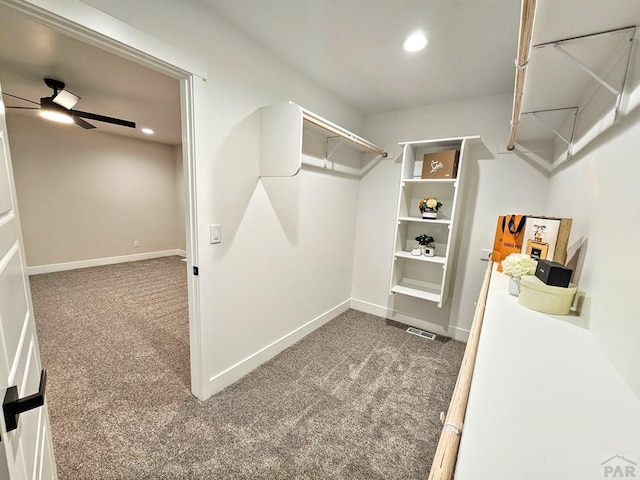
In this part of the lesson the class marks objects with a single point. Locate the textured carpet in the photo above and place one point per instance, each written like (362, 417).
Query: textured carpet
(357, 399)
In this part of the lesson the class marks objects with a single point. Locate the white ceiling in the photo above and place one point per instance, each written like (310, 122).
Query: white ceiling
(353, 47)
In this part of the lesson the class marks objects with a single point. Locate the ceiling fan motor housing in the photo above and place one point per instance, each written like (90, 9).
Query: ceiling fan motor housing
(47, 103)
(55, 85)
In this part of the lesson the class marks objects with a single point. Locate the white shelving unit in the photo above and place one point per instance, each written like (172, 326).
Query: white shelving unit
(287, 130)
(427, 278)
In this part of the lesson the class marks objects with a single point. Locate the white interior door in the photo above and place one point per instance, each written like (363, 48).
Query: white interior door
(26, 452)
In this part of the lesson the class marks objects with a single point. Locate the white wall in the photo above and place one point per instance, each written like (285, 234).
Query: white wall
(87, 195)
(495, 184)
(181, 237)
(598, 188)
(285, 256)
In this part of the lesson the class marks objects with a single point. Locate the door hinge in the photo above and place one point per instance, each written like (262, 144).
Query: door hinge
(195, 271)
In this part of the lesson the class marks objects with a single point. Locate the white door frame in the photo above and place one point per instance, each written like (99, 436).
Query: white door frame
(96, 28)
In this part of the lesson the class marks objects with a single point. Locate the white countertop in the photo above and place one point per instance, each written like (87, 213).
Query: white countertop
(545, 402)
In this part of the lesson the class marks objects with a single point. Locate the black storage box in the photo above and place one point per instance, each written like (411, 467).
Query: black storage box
(553, 273)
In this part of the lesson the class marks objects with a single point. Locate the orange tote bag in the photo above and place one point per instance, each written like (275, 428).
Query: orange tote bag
(497, 240)
(512, 237)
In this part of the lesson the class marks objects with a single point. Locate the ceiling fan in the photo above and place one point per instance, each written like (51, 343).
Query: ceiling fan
(59, 107)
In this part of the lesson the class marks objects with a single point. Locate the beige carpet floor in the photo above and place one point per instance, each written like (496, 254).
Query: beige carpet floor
(357, 399)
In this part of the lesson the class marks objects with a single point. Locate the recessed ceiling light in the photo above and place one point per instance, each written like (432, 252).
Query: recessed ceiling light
(415, 42)
(147, 131)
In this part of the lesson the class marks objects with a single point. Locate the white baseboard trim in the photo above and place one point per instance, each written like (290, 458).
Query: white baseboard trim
(240, 369)
(452, 332)
(96, 262)
(182, 253)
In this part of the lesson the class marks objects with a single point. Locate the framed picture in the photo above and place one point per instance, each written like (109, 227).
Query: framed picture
(546, 238)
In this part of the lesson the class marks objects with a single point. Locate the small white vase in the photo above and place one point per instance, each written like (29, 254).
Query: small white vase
(514, 286)
(429, 251)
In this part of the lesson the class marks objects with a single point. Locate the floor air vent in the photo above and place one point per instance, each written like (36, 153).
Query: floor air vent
(421, 333)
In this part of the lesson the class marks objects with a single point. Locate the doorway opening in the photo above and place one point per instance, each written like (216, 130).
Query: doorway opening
(187, 78)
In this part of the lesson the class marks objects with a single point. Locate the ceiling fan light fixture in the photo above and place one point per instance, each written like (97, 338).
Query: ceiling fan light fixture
(56, 116)
(54, 112)
(415, 42)
(147, 131)
(66, 99)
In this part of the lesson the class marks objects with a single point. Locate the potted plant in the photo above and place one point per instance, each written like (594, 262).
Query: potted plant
(426, 245)
(517, 265)
(429, 207)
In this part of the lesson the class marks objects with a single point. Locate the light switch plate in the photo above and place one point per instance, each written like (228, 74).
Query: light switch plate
(215, 233)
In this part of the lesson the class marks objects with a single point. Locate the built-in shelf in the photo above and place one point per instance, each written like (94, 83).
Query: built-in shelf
(282, 129)
(427, 278)
(422, 181)
(421, 258)
(424, 220)
(430, 292)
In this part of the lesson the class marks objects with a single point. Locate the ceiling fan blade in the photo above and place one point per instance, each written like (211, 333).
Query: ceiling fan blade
(102, 118)
(20, 98)
(81, 123)
(22, 108)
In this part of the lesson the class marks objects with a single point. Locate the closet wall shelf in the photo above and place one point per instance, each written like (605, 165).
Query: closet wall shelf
(420, 181)
(430, 293)
(424, 220)
(421, 258)
(282, 129)
(331, 130)
(563, 77)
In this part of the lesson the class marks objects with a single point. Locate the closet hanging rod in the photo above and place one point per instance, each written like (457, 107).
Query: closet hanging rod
(341, 132)
(524, 48)
(580, 37)
(558, 109)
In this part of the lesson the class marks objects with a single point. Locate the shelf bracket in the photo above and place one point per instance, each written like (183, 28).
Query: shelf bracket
(593, 74)
(617, 92)
(536, 114)
(327, 155)
(548, 125)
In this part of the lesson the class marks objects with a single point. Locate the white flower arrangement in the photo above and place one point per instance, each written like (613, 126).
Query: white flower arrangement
(429, 203)
(519, 264)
